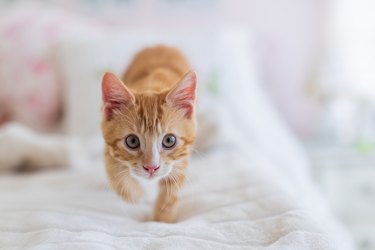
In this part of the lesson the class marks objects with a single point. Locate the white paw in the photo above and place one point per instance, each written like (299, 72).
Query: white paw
(13, 145)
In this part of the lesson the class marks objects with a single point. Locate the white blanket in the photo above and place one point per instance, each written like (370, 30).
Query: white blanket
(234, 199)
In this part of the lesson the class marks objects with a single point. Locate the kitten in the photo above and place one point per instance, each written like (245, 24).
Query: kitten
(149, 126)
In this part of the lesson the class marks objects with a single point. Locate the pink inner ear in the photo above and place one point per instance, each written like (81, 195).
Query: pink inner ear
(183, 96)
(114, 94)
(184, 99)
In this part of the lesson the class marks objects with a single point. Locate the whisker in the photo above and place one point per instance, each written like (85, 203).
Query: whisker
(197, 153)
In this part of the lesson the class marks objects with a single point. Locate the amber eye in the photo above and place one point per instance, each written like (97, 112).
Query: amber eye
(132, 141)
(169, 141)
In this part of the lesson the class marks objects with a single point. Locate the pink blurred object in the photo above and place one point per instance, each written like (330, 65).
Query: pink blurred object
(29, 82)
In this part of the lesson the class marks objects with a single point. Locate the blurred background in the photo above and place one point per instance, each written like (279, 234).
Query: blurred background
(315, 59)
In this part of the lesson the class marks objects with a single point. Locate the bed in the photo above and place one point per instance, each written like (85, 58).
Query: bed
(248, 187)
(234, 199)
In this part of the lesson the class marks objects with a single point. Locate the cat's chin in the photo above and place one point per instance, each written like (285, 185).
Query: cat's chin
(148, 178)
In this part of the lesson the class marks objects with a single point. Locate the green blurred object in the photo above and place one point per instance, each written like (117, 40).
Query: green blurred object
(213, 85)
(364, 146)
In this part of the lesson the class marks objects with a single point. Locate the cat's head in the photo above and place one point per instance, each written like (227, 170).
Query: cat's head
(150, 134)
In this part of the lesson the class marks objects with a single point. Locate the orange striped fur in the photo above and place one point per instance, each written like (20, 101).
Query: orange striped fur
(155, 98)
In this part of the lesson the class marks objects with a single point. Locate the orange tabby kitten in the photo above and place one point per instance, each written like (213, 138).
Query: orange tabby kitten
(149, 126)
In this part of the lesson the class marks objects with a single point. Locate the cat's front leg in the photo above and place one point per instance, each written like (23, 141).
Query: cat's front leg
(125, 185)
(166, 204)
(127, 188)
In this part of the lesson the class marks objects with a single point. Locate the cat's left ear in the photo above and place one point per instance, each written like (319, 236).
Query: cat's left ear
(115, 94)
(183, 96)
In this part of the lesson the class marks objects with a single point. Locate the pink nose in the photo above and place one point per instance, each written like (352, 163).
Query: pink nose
(151, 168)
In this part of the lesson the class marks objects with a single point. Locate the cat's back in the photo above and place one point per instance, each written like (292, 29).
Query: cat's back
(156, 69)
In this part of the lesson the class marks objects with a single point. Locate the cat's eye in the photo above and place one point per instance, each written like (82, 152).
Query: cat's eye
(132, 141)
(169, 141)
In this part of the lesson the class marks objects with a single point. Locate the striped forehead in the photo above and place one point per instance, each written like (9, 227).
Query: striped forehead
(150, 112)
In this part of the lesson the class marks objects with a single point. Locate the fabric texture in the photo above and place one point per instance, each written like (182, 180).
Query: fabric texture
(233, 199)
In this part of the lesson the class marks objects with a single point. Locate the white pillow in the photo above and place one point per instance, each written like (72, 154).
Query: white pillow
(83, 61)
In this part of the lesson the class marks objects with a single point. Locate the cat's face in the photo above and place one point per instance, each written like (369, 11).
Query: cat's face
(149, 134)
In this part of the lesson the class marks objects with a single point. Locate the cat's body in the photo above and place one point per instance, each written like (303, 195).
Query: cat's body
(149, 126)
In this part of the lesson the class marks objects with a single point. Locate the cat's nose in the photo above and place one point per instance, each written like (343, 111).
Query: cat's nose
(151, 168)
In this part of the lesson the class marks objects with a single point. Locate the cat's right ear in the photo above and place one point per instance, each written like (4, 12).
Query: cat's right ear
(114, 94)
(184, 94)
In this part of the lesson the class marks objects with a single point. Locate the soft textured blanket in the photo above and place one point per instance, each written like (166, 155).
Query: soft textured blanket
(233, 200)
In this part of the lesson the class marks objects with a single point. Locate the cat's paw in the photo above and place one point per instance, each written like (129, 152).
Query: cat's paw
(163, 216)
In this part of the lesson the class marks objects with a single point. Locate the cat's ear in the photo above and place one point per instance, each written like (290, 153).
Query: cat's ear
(115, 94)
(183, 96)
